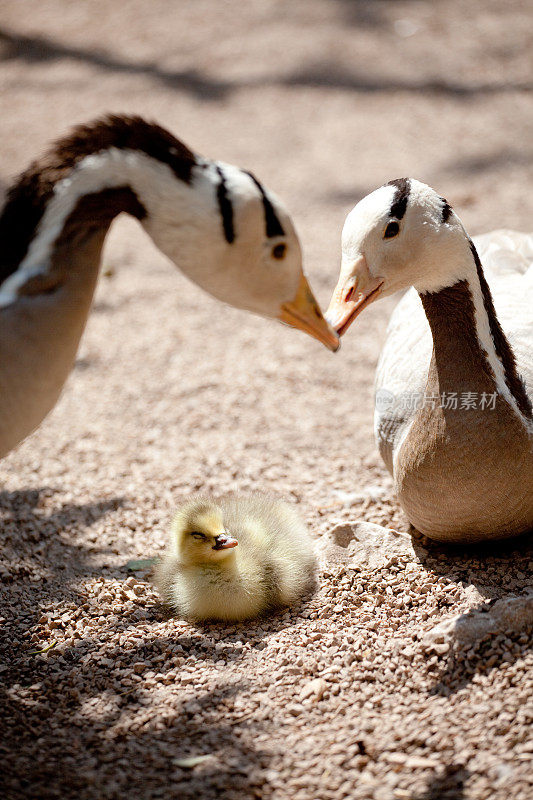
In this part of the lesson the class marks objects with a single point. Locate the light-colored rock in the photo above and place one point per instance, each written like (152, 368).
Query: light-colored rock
(314, 689)
(191, 761)
(358, 544)
(512, 614)
(409, 761)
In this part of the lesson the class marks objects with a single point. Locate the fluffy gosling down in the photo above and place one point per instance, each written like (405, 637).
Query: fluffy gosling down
(235, 558)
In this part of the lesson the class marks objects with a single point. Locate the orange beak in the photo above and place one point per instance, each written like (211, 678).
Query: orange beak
(351, 295)
(304, 313)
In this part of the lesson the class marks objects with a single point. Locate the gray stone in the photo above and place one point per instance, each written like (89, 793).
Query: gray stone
(512, 614)
(364, 544)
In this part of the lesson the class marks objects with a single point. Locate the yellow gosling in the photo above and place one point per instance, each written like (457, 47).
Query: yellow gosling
(235, 558)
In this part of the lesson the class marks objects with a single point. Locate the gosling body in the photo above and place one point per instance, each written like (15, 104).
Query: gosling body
(235, 558)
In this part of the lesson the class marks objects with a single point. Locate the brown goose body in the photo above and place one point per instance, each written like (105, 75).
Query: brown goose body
(463, 463)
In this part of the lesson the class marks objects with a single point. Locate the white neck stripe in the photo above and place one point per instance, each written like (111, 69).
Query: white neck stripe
(98, 171)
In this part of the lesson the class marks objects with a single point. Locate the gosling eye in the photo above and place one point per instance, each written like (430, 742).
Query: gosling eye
(392, 229)
(198, 535)
(279, 251)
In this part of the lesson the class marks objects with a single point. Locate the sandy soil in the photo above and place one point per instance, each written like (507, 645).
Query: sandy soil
(103, 696)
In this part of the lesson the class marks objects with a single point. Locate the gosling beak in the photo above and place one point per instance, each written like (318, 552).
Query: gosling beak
(224, 542)
(304, 313)
(351, 295)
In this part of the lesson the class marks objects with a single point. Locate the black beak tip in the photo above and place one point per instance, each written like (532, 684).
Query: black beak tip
(220, 541)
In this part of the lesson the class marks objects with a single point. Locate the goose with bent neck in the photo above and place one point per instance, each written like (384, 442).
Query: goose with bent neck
(225, 231)
(453, 418)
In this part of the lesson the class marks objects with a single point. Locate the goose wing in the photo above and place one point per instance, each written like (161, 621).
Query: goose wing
(506, 252)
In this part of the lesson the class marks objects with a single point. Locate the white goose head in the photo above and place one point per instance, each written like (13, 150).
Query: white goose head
(215, 221)
(237, 241)
(402, 234)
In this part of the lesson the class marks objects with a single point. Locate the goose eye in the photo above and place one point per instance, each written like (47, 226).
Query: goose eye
(198, 535)
(279, 251)
(392, 229)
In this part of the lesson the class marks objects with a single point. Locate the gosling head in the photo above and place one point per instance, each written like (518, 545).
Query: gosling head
(200, 536)
(402, 234)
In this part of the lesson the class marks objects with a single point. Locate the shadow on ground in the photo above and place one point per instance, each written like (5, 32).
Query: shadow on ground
(450, 785)
(70, 714)
(34, 539)
(75, 755)
(321, 74)
(498, 570)
(40, 559)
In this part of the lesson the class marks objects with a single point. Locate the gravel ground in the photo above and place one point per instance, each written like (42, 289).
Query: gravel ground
(103, 695)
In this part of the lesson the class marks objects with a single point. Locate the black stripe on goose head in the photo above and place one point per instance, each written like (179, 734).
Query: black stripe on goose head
(446, 210)
(272, 223)
(401, 196)
(226, 208)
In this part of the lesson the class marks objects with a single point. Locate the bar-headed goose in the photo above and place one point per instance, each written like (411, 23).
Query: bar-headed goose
(224, 230)
(454, 383)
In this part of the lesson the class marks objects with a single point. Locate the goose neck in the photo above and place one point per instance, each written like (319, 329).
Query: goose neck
(470, 350)
(45, 217)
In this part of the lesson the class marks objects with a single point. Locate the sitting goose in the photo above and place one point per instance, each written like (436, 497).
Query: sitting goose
(453, 419)
(226, 232)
